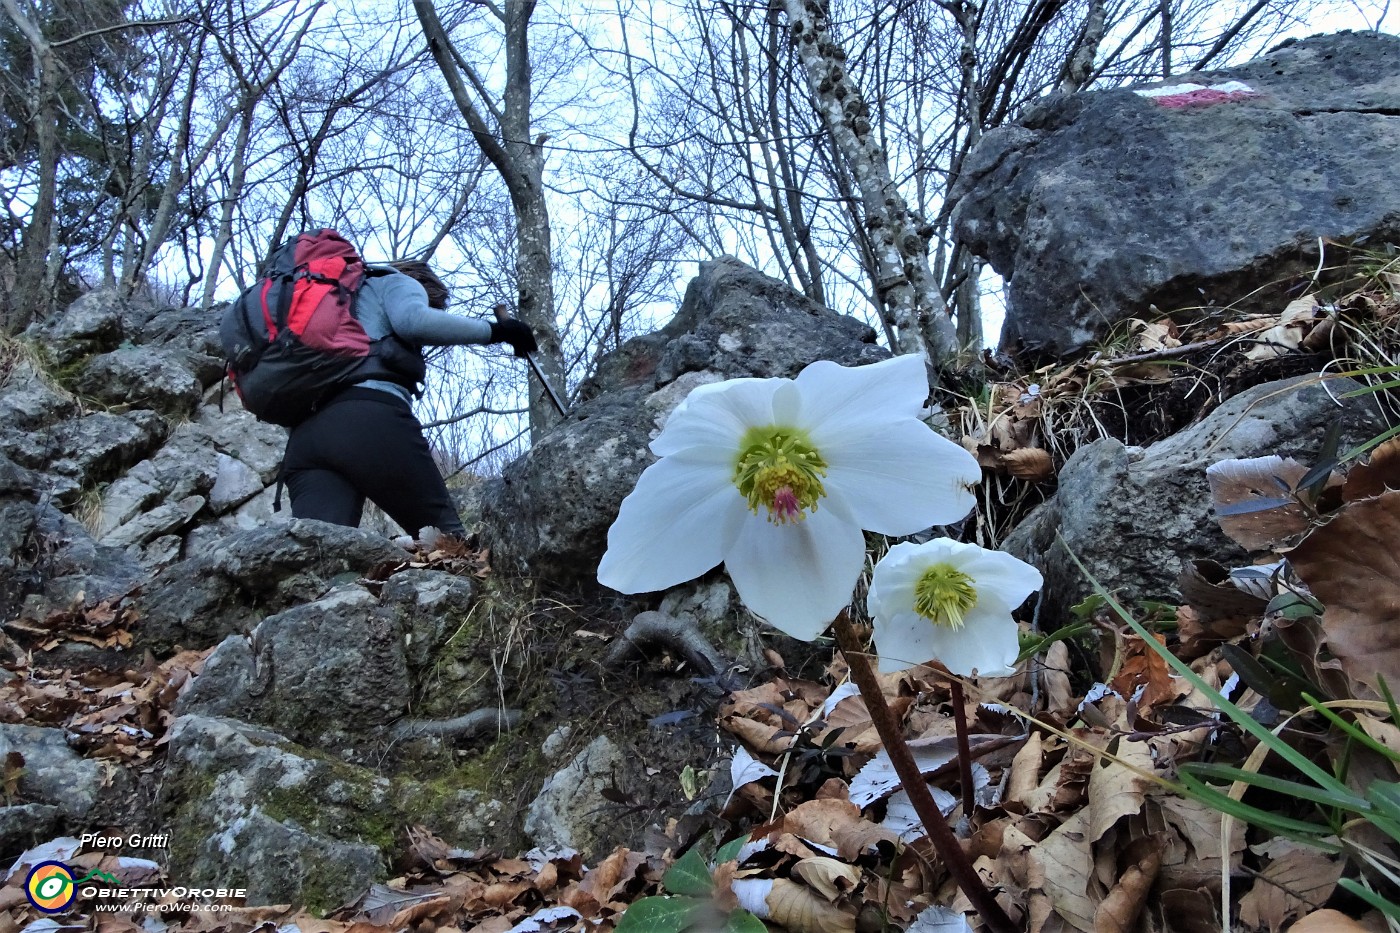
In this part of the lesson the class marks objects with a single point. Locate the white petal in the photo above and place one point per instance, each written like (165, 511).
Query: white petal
(985, 646)
(1001, 578)
(797, 576)
(839, 398)
(716, 415)
(900, 477)
(903, 639)
(677, 523)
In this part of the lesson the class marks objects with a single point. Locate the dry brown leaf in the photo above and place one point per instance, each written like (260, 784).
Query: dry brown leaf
(1386, 733)
(1059, 697)
(830, 878)
(1115, 790)
(1352, 564)
(1118, 912)
(1253, 500)
(1379, 473)
(800, 910)
(1328, 921)
(1300, 879)
(1287, 335)
(1029, 463)
(1025, 770)
(1065, 863)
(1144, 668)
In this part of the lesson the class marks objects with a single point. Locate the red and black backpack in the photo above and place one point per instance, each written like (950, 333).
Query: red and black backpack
(293, 340)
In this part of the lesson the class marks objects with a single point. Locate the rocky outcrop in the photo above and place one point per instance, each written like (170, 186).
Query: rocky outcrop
(1095, 206)
(1137, 517)
(248, 808)
(549, 512)
(198, 602)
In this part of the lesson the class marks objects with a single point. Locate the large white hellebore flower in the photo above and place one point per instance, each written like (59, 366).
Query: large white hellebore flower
(951, 602)
(777, 477)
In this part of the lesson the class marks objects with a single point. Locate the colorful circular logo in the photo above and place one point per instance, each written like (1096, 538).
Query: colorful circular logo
(50, 887)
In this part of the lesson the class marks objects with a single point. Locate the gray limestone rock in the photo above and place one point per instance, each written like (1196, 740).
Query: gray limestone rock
(549, 511)
(565, 813)
(53, 773)
(141, 377)
(1136, 517)
(92, 324)
(1098, 205)
(248, 808)
(230, 588)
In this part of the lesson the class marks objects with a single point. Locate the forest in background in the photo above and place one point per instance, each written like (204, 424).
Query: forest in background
(573, 159)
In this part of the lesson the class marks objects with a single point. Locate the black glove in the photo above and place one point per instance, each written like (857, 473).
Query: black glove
(516, 334)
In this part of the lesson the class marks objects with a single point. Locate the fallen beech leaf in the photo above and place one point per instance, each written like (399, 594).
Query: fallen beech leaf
(1145, 669)
(797, 908)
(1376, 475)
(1118, 912)
(830, 878)
(1300, 879)
(1025, 770)
(1254, 500)
(1029, 463)
(1352, 565)
(1116, 791)
(1328, 921)
(1059, 695)
(1065, 862)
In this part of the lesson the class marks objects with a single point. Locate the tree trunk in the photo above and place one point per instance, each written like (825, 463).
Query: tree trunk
(520, 161)
(906, 288)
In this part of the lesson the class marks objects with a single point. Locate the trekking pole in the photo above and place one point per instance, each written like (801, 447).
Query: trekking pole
(503, 314)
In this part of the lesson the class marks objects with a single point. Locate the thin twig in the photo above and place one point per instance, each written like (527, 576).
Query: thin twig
(939, 832)
(964, 747)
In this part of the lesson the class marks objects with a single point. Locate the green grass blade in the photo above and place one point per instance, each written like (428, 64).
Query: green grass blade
(1390, 909)
(1237, 715)
(1350, 729)
(1309, 833)
(1348, 801)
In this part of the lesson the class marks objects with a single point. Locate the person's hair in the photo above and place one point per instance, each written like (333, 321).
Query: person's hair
(425, 276)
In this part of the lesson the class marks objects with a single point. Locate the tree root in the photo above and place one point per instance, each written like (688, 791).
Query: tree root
(463, 727)
(681, 634)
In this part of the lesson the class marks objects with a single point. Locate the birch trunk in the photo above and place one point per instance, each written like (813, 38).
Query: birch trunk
(905, 286)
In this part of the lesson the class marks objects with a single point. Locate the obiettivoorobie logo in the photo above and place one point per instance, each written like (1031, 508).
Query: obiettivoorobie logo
(51, 886)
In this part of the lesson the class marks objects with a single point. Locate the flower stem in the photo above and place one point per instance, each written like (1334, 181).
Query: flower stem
(939, 832)
(964, 746)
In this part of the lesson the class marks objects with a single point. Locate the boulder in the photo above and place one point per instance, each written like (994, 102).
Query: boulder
(1137, 517)
(197, 602)
(1096, 206)
(53, 773)
(549, 512)
(28, 401)
(90, 325)
(248, 808)
(565, 814)
(141, 377)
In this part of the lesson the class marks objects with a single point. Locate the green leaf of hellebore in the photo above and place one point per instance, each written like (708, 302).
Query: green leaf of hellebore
(659, 915)
(690, 876)
(741, 921)
(730, 850)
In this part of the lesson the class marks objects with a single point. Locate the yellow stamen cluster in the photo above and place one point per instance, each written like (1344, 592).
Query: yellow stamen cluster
(779, 468)
(944, 595)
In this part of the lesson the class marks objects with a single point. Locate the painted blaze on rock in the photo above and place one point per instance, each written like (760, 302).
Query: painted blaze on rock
(1095, 206)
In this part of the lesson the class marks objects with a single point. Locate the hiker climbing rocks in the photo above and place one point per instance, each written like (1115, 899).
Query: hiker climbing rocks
(332, 348)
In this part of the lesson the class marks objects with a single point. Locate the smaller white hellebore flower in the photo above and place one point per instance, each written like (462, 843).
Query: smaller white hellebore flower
(950, 602)
(776, 478)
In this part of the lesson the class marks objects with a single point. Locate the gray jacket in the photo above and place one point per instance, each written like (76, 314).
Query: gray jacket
(395, 303)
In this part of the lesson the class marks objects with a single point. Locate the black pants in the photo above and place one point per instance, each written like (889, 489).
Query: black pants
(366, 444)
